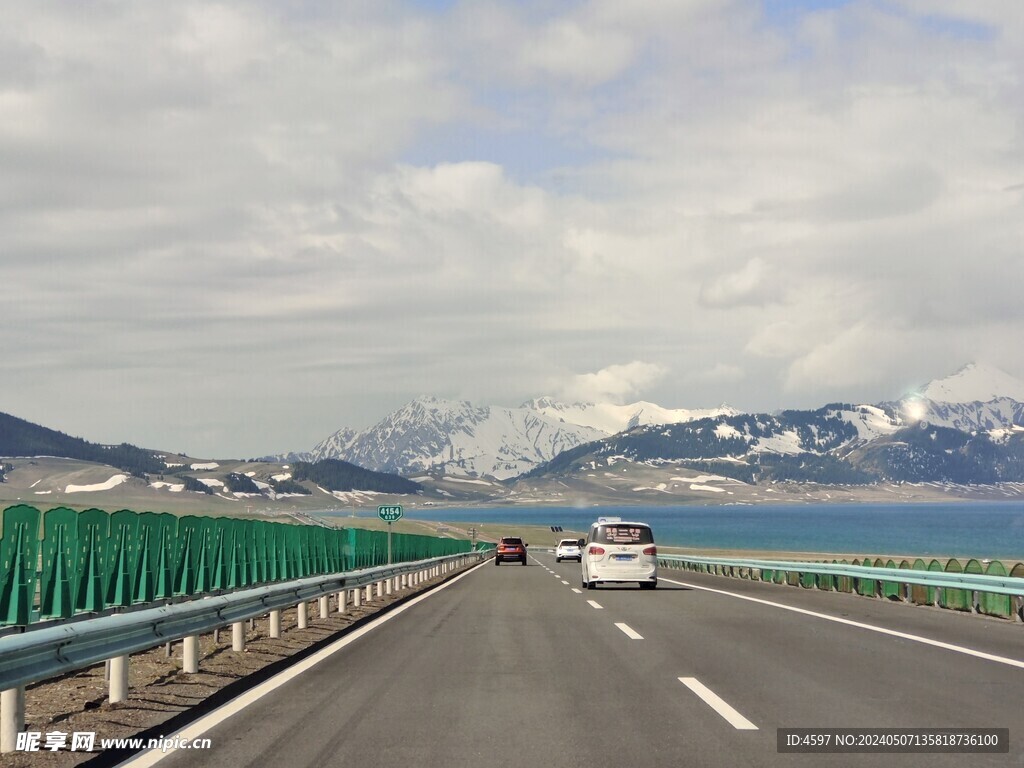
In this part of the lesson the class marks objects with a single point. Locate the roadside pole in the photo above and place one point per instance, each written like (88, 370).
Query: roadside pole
(389, 513)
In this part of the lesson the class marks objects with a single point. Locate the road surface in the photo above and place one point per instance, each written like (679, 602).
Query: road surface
(520, 665)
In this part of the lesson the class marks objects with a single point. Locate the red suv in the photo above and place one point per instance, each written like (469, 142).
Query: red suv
(510, 548)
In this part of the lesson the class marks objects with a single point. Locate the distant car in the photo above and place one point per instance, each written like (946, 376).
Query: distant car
(510, 548)
(568, 549)
(618, 552)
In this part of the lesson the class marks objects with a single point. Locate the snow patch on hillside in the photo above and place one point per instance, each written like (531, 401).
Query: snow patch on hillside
(172, 487)
(711, 488)
(113, 482)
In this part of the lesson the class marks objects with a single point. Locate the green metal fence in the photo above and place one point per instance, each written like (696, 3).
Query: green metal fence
(968, 600)
(62, 562)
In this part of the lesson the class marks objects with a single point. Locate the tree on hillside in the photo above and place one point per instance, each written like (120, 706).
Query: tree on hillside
(337, 475)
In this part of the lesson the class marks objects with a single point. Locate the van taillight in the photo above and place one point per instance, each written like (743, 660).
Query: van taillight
(651, 551)
(595, 551)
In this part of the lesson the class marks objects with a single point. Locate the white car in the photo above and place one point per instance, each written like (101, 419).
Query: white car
(619, 552)
(568, 549)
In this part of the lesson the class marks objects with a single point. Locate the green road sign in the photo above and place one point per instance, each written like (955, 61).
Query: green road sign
(390, 513)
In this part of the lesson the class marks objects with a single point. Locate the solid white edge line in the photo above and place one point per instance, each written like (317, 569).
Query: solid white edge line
(196, 729)
(873, 628)
(595, 604)
(631, 633)
(717, 703)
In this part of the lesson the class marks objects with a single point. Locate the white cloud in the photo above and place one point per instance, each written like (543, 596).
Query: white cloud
(616, 383)
(774, 211)
(750, 284)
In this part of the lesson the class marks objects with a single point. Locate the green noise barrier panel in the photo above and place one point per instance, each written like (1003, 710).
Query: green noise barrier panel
(866, 587)
(91, 558)
(995, 605)
(19, 549)
(63, 562)
(954, 599)
(973, 566)
(59, 574)
(890, 589)
(844, 583)
(919, 593)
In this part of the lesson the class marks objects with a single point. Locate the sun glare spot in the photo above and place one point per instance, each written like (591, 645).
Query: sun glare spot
(914, 410)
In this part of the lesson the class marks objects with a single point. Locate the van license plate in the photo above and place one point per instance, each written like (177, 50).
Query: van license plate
(623, 557)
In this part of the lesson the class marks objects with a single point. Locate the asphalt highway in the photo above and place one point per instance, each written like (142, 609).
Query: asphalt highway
(520, 665)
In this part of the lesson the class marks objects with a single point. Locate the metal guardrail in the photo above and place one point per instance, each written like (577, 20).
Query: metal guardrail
(54, 650)
(1000, 585)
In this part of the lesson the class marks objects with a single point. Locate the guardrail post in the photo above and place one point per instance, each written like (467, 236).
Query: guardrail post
(12, 717)
(341, 602)
(380, 588)
(275, 624)
(324, 608)
(190, 655)
(118, 679)
(302, 609)
(238, 636)
(390, 586)
(357, 597)
(369, 593)
(404, 582)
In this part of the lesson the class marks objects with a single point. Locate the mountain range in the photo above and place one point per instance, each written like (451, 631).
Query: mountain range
(844, 442)
(960, 436)
(460, 439)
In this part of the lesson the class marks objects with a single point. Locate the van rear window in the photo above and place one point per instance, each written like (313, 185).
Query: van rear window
(623, 534)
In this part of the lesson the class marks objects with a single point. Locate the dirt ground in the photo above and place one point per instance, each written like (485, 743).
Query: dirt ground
(159, 690)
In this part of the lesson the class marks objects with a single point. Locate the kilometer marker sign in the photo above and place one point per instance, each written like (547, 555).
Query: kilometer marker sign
(390, 513)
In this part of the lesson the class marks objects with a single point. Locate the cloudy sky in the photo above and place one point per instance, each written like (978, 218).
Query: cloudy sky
(230, 229)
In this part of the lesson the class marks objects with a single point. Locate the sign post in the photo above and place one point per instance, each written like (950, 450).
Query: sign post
(389, 513)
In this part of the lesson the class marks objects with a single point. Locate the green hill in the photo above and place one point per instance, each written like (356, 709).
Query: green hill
(337, 475)
(23, 438)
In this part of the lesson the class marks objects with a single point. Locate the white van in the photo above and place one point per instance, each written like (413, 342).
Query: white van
(617, 551)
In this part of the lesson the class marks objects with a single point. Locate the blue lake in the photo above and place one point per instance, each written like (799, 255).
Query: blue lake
(982, 530)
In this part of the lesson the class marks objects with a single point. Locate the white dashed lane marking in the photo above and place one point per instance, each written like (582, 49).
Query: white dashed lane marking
(631, 633)
(713, 700)
(594, 604)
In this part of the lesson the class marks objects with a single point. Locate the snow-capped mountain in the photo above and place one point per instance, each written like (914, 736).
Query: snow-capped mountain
(916, 439)
(461, 439)
(610, 418)
(977, 398)
(975, 382)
